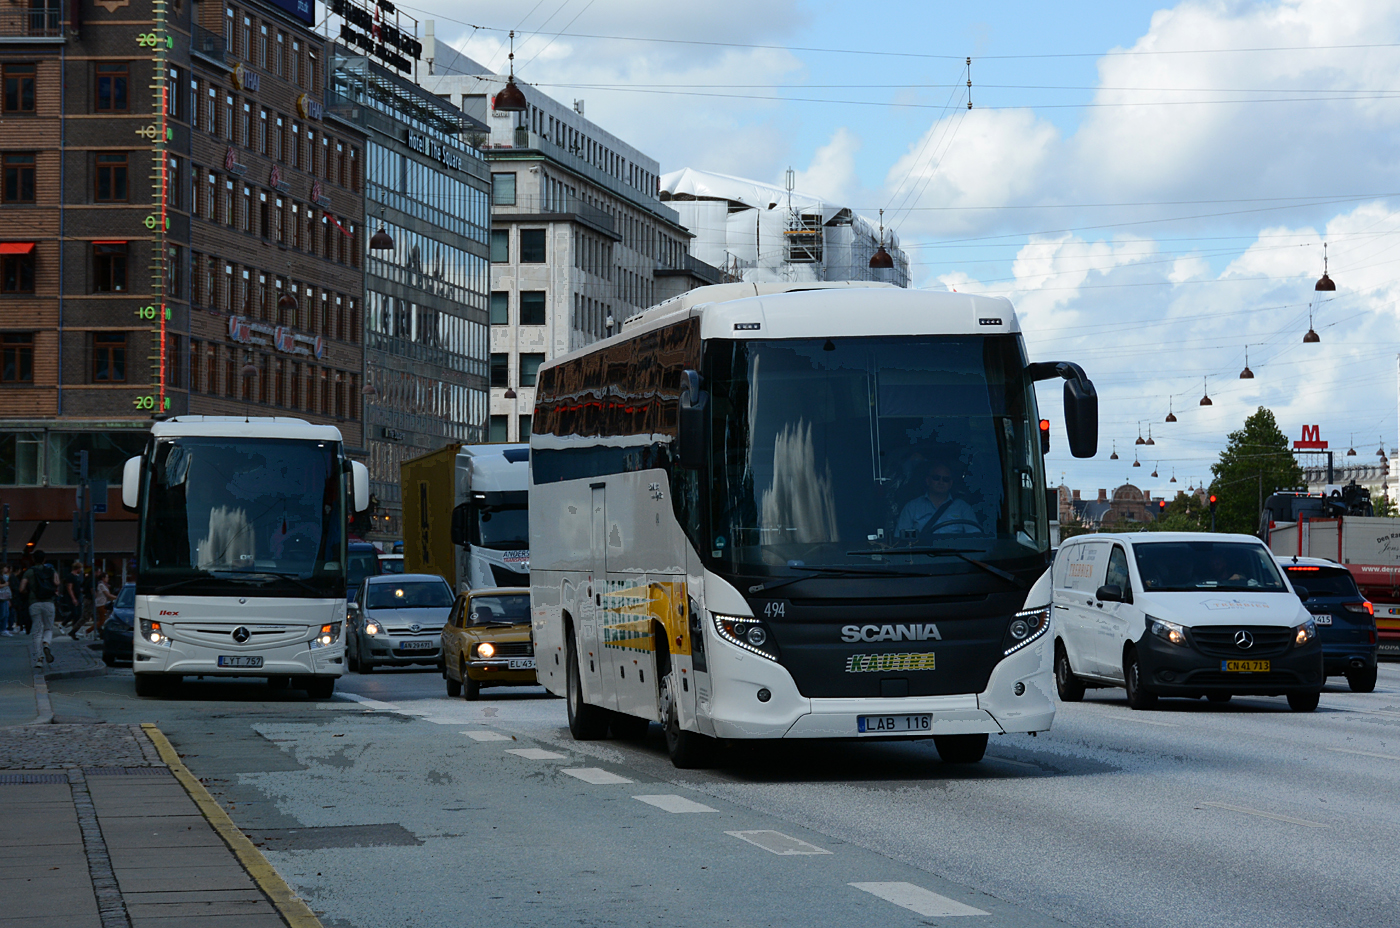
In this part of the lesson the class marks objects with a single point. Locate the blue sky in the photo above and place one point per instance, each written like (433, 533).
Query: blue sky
(1092, 124)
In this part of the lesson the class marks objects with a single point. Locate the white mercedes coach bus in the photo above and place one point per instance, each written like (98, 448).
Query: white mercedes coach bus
(240, 560)
(799, 511)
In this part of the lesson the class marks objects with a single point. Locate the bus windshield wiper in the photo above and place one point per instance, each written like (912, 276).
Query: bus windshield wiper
(994, 571)
(304, 584)
(829, 572)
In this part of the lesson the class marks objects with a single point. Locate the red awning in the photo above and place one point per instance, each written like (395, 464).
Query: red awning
(16, 248)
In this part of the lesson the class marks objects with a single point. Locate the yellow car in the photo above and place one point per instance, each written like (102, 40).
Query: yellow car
(486, 642)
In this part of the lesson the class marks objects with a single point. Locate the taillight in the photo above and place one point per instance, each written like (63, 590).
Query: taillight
(1364, 606)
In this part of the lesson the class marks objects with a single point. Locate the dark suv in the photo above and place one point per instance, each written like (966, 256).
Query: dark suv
(1346, 624)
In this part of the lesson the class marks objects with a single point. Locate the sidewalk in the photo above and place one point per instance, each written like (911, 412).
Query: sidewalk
(104, 827)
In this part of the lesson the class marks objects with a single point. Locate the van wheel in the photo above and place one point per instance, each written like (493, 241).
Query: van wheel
(1362, 681)
(586, 723)
(1303, 702)
(1137, 697)
(1219, 697)
(689, 750)
(960, 749)
(1070, 687)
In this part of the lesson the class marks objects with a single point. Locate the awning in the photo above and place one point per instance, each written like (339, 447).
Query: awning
(16, 248)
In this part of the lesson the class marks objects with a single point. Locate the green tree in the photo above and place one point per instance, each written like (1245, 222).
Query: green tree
(1256, 461)
(1185, 513)
(1385, 507)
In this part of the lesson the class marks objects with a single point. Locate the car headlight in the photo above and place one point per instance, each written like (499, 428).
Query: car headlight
(328, 636)
(486, 649)
(1025, 626)
(1167, 631)
(371, 628)
(748, 633)
(152, 632)
(1304, 633)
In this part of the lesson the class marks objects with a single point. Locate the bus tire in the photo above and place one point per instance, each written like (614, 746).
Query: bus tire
(320, 687)
(1069, 686)
(150, 685)
(586, 723)
(960, 749)
(689, 750)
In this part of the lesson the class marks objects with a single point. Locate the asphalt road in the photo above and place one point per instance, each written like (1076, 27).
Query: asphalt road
(394, 805)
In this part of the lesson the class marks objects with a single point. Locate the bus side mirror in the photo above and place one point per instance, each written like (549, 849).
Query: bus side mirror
(1081, 404)
(359, 479)
(694, 408)
(131, 483)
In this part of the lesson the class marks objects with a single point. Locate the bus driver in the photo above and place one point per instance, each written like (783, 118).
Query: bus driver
(937, 511)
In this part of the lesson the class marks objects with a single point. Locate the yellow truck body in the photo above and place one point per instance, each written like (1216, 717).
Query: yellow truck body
(428, 484)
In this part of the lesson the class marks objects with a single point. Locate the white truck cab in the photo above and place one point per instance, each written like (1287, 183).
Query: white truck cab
(1180, 614)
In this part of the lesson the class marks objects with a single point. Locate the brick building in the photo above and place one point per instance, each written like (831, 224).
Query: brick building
(186, 245)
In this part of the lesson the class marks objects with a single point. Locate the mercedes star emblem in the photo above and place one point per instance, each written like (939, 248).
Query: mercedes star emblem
(241, 634)
(1244, 640)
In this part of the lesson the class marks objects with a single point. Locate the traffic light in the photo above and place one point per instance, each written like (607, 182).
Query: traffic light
(1161, 508)
(1213, 501)
(1044, 436)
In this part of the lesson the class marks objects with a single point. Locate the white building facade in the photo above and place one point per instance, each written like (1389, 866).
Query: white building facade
(580, 240)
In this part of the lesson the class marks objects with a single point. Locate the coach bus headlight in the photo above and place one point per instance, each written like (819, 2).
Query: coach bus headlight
(1025, 626)
(328, 636)
(746, 633)
(152, 632)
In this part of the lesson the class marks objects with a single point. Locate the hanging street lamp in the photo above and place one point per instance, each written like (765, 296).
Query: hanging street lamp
(511, 99)
(881, 260)
(1205, 400)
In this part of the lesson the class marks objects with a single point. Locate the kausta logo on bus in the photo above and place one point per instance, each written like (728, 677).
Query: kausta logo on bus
(851, 633)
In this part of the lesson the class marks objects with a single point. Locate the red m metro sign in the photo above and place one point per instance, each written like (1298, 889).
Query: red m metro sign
(1311, 439)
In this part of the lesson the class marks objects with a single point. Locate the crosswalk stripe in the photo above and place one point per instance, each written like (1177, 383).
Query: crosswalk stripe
(673, 803)
(535, 754)
(917, 899)
(595, 775)
(487, 736)
(775, 842)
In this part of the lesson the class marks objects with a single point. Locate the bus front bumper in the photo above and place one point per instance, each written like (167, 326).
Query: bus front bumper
(296, 659)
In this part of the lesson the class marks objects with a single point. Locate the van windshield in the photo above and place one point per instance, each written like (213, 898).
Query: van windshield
(1178, 566)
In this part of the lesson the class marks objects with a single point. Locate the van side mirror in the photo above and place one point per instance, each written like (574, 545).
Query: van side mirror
(131, 483)
(1109, 593)
(694, 409)
(1081, 404)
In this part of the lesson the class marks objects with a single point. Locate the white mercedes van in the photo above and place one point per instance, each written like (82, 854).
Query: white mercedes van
(1181, 614)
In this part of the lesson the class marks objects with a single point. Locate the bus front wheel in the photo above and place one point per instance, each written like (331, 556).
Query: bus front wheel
(689, 750)
(586, 723)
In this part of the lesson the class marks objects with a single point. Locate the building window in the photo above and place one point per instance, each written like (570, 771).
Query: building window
(111, 87)
(262, 46)
(174, 364)
(281, 54)
(245, 130)
(500, 370)
(109, 357)
(19, 179)
(19, 87)
(524, 429)
(16, 267)
(109, 267)
(111, 178)
(503, 189)
(500, 307)
(500, 246)
(500, 429)
(530, 368)
(174, 187)
(532, 307)
(211, 112)
(532, 246)
(17, 357)
(176, 108)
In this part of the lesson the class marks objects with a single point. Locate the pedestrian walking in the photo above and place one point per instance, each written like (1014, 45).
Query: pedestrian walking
(40, 585)
(101, 604)
(73, 599)
(6, 603)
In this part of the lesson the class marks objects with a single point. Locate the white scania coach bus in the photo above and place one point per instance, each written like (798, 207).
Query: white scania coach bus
(241, 557)
(788, 511)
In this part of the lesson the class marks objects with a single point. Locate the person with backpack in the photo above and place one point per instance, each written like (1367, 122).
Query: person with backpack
(40, 583)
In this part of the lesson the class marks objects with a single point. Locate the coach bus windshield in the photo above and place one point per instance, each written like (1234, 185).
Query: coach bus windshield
(881, 451)
(245, 517)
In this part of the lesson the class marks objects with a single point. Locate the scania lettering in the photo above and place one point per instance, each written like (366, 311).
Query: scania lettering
(799, 511)
(241, 551)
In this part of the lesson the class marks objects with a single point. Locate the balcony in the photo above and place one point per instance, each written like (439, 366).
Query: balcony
(39, 21)
(207, 44)
(565, 205)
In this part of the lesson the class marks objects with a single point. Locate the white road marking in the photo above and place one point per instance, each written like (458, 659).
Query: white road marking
(917, 899)
(775, 842)
(536, 754)
(1365, 754)
(674, 803)
(595, 775)
(1278, 818)
(487, 736)
(371, 703)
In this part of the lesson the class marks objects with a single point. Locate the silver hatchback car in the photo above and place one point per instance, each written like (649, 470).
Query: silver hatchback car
(397, 621)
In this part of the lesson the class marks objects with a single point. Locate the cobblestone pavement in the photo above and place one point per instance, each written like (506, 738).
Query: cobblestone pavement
(50, 747)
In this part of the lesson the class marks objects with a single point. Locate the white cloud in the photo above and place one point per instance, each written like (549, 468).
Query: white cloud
(831, 174)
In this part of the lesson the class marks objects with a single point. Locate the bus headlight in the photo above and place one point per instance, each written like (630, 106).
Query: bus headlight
(749, 634)
(1025, 627)
(1304, 633)
(151, 631)
(328, 635)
